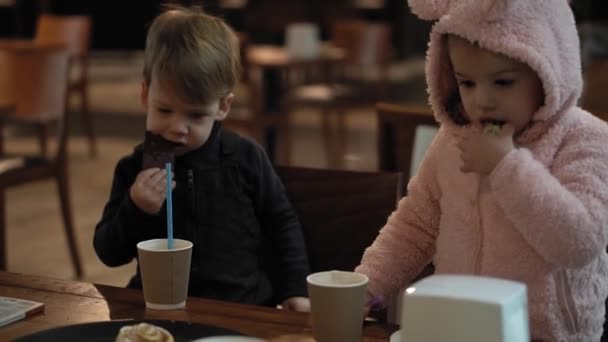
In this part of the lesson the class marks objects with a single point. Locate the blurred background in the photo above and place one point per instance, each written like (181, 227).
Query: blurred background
(316, 110)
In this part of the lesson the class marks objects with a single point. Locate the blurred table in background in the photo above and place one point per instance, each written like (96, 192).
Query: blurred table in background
(268, 68)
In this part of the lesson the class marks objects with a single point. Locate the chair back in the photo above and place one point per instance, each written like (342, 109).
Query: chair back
(401, 143)
(40, 84)
(75, 32)
(341, 211)
(594, 97)
(72, 30)
(40, 87)
(368, 50)
(367, 44)
(7, 89)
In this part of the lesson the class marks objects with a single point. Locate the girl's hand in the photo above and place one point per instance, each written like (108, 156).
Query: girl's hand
(149, 190)
(481, 151)
(301, 304)
(372, 303)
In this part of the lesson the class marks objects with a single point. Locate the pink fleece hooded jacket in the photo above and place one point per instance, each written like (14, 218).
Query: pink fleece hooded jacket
(541, 216)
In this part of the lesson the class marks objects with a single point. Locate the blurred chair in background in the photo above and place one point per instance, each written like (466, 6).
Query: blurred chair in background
(264, 118)
(341, 211)
(75, 32)
(594, 97)
(7, 89)
(404, 133)
(362, 79)
(40, 87)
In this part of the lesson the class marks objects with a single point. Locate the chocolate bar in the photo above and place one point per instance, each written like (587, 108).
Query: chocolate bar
(157, 151)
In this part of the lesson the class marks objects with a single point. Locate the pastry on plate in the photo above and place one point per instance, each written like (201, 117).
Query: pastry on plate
(143, 332)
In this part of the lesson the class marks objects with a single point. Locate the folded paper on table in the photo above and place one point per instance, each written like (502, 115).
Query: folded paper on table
(14, 309)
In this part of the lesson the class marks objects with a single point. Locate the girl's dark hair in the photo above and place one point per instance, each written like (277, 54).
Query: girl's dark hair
(453, 107)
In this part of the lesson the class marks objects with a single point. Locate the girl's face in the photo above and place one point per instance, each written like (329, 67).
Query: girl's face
(187, 124)
(493, 87)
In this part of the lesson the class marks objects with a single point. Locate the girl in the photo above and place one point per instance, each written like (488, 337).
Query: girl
(515, 184)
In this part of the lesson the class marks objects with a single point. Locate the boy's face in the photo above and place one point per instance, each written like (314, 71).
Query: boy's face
(494, 87)
(169, 116)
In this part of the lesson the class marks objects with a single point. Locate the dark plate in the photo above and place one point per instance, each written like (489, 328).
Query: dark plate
(108, 330)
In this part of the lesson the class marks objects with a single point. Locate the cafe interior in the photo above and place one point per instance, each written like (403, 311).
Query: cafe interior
(333, 90)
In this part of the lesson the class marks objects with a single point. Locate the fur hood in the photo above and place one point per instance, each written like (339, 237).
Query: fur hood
(540, 33)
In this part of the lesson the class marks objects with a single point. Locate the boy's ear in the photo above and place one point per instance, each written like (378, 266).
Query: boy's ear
(144, 95)
(224, 108)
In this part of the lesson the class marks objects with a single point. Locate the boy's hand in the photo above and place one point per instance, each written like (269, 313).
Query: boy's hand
(301, 304)
(149, 192)
(481, 151)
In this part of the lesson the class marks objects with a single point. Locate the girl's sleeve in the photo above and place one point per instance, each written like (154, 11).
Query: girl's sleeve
(406, 244)
(122, 224)
(560, 210)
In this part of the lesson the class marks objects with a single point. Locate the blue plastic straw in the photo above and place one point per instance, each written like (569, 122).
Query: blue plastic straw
(169, 208)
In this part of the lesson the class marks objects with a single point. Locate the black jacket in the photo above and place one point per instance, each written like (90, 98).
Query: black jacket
(248, 242)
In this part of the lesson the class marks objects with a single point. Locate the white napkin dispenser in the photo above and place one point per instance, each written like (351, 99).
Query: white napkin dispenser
(465, 308)
(302, 40)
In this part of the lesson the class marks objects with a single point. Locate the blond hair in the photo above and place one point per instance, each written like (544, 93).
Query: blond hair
(196, 53)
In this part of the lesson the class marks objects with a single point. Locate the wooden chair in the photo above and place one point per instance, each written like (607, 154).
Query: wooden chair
(75, 32)
(7, 97)
(40, 89)
(397, 126)
(594, 97)
(361, 80)
(363, 75)
(341, 211)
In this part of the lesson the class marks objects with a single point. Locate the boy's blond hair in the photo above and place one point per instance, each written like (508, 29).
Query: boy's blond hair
(196, 53)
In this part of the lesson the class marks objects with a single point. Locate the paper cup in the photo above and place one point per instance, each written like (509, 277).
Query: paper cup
(337, 305)
(165, 273)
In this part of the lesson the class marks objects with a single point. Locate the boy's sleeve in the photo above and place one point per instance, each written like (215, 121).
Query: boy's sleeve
(122, 224)
(283, 229)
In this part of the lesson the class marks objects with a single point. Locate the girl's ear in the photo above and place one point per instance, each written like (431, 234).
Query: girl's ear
(224, 108)
(144, 95)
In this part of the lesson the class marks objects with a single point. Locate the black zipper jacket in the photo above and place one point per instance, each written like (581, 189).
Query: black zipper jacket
(248, 242)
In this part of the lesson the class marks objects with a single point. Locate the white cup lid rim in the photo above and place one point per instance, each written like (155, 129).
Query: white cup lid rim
(178, 245)
(342, 279)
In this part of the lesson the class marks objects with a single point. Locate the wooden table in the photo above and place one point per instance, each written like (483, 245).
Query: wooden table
(71, 302)
(272, 56)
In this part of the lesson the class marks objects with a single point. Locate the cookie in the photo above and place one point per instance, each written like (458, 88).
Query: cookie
(492, 126)
(491, 129)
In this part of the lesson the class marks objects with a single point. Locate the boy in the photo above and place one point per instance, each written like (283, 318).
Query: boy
(227, 198)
